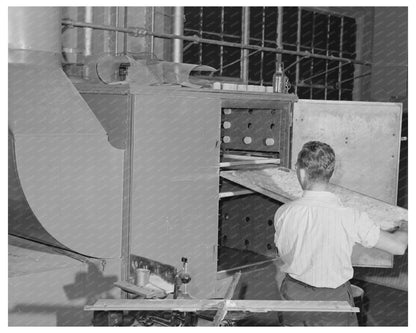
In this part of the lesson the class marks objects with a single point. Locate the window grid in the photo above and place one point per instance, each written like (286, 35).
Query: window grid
(311, 78)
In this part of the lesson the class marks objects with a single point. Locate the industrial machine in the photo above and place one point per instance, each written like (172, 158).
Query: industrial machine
(121, 172)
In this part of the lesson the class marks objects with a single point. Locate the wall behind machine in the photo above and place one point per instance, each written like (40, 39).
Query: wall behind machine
(389, 80)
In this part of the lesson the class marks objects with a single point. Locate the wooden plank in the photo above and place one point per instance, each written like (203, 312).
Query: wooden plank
(285, 306)
(233, 285)
(243, 157)
(186, 305)
(229, 175)
(193, 305)
(249, 267)
(223, 308)
(278, 183)
(234, 193)
(250, 162)
(142, 291)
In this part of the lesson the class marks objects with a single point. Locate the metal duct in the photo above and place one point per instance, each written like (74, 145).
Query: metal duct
(106, 69)
(34, 29)
(65, 179)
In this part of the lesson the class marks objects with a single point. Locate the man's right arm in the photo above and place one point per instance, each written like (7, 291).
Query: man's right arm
(394, 243)
(370, 235)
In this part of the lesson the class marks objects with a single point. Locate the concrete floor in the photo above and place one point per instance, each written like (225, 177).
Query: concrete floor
(384, 306)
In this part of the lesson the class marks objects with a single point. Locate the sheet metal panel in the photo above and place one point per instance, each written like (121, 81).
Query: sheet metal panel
(247, 223)
(259, 121)
(44, 101)
(365, 137)
(113, 108)
(21, 219)
(74, 187)
(67, 179)
(175, 182)
(112, 111)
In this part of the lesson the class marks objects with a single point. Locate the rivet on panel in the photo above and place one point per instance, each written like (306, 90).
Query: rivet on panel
(269, 142)
(247, 140)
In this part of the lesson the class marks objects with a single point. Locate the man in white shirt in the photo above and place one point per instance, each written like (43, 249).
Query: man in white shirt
(315, 236)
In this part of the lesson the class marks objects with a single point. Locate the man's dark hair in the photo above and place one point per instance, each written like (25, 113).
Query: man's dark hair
(318, 159)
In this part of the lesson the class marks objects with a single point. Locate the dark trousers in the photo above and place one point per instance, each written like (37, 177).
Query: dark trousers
(292, 289)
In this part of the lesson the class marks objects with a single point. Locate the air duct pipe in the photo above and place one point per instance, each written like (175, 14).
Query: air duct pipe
(35, 35)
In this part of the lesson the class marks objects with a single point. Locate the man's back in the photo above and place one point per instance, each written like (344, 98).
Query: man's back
(315, 236)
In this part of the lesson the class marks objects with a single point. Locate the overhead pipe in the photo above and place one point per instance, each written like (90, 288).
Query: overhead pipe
(126, 19)
(279, 31)
(141, 32)
(88, 14)
(107, 34)
(88, 32)
(152, 40)
(263, 29)
(298, 59)
(116, 31)
(178, 14)
(245, 28)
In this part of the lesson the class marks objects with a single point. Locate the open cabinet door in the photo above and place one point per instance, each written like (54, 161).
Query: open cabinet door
(366, 140)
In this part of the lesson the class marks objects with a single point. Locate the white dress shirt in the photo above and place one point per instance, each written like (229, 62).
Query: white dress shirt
(315, 236)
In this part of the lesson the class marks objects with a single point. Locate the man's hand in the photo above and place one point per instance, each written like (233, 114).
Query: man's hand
(398, 225)
(402, 224)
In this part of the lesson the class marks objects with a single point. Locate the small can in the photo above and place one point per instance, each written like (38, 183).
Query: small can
(142, 277)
